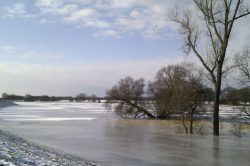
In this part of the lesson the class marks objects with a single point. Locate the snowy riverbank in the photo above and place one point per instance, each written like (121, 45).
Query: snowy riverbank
(17, 151)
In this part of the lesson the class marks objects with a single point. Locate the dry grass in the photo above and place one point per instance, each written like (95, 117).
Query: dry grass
(175, 126)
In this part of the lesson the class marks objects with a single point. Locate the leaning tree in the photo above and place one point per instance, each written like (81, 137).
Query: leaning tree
(208, 38)
(127, 97)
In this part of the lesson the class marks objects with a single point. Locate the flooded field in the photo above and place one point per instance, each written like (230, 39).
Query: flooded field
(90, 132)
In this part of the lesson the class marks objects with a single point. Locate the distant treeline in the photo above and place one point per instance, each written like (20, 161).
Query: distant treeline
(234, 96)
(28, 97)
(229, 96)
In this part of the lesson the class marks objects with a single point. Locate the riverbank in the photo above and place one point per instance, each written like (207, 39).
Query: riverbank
(6, 103)
(16, 151)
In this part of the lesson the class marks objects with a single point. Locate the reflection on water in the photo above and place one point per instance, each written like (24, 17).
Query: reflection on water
(216, 149)
(117, 142)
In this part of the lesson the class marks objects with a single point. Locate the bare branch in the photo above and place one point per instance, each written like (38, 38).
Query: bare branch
(219, 17)
(240, 16)
(235, 17)
(228, 69)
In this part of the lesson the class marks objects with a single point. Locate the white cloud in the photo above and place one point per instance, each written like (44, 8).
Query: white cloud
(84, 1)
(28, 55)
(130, 16)
(63, 10)
(18, 10)
(135, 13)
(147, 18)
(108, 33)
(130, 24)
(44, 21)
(48, 2)
(87, 17)
(8, 48)
(97, 23)
(74, 78)
(151, 34)
(33, 55)
(80, 15)
(131, 3)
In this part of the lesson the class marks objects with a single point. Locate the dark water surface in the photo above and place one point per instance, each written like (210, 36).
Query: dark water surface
(90, 132)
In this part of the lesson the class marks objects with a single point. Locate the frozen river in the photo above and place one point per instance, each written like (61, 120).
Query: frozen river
(90, 132)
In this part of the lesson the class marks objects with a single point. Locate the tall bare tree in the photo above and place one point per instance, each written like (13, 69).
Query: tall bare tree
(242, 60)
(218, 19)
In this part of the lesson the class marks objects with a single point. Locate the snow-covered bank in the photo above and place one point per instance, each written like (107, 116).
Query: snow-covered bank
(6, 103)
(17, 151)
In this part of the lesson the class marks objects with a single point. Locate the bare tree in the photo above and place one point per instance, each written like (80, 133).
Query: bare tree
(93, 98)
(81, 97)
(176, 91)
(218, 19)
(243, 62)
(128, 98)
(164, 90)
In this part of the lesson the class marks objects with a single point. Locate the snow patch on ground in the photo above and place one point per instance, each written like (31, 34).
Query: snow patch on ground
(17, 151)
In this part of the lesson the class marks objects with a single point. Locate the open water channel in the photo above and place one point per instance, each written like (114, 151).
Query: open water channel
(90, 132)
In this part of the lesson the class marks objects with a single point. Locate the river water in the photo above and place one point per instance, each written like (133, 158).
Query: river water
(90, 132)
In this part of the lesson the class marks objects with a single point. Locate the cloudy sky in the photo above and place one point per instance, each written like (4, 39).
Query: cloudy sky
(64, 47)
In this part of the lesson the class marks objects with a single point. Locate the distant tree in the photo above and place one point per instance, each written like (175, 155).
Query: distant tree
(5, 95)
(70, 98)
(127, 98)
(229, 95)
(81, 97)
(52, 98)
(244, 95)
(29, 97)
(235, 96)
(208, 94)
(45, 98)
(11, 97)
(218, 19)
(93, 98)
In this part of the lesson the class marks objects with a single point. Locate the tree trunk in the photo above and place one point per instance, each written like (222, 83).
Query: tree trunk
(191, 121)
(216, 120)
(183, 123)
(140, 109)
